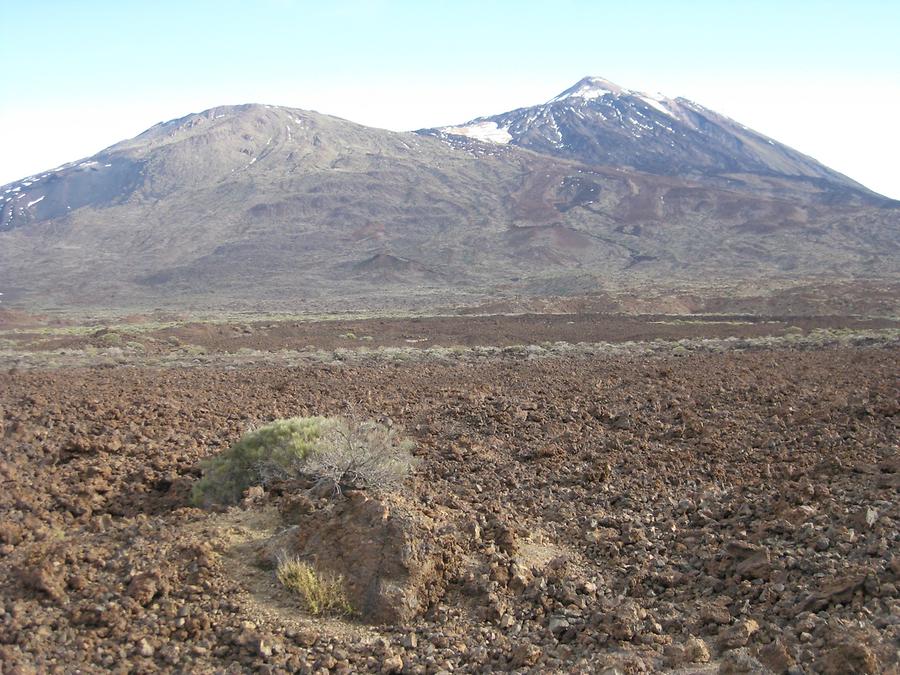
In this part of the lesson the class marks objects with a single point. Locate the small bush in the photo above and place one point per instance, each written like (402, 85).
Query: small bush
(350, 453)
(360, 454)
(271, 449)
(320, 593)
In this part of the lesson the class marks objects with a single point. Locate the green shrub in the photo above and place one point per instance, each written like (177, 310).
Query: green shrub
(320, 593)
(350, 453)
(112, 338)
(271, 449)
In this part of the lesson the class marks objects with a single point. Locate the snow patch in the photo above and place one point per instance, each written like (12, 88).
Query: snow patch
(658, 105)
(590, 89)
(35, 201)
(482, 131)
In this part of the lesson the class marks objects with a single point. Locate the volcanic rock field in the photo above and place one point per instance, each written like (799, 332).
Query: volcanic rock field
(637, 501)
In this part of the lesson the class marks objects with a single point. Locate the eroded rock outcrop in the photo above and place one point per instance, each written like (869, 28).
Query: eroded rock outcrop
(393, 558)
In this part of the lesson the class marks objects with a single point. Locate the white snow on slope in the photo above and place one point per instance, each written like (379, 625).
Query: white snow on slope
(659, 105)
(590, 88)
(482, 131)
(587, 93)
(35, 201)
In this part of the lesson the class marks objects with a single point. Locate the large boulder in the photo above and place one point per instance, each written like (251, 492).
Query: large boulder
(393, 560)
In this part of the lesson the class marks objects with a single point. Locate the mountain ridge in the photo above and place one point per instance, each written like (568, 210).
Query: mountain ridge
(596, 121)
(257, 204)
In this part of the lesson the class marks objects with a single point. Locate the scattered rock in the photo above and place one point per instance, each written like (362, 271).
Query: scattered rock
(740, 662)
(47, 579)
(715, 613)
(253, 495)
(696, 650)
(737, 635)
(756, 566)
(106, 566)
(866, 518)
(10, 533)
(144, 587)
(776, 657)
(558, 624)
(625, 622)
(849, 657)
(836, 591)
(143, 648)
(293, 507)
(525, 655)
(392, 664)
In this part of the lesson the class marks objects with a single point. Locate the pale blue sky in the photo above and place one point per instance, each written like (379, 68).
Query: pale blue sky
(821, 76)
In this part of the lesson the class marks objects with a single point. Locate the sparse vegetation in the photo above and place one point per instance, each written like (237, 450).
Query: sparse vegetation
(321, 593)
(499, 500)
(359, 454)
(272, 448)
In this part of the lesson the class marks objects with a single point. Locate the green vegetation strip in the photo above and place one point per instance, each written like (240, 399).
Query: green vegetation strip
(191, 356)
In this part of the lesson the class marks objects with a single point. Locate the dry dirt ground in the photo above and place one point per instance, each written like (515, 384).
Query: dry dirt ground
(689, 510)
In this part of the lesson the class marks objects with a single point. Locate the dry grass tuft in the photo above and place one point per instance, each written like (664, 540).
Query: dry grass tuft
(321, 593)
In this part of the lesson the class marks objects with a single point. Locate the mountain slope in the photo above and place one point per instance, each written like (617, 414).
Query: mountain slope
(258, 206)
(598, 122)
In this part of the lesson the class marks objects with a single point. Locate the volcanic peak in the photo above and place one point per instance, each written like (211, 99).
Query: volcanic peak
(590, 88)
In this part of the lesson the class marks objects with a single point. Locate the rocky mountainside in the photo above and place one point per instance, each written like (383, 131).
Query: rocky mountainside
(264, 206)
(598, 122)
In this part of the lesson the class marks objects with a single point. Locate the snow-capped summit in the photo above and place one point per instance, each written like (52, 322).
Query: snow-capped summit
(598, 122)
(589, 88)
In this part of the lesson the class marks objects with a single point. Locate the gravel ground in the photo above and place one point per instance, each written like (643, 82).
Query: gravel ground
(730, 511)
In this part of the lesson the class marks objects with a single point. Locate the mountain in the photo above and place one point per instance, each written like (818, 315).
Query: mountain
(598, 122)
(257, 206)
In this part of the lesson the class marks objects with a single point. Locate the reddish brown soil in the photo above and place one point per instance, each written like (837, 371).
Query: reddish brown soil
(746, 499)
